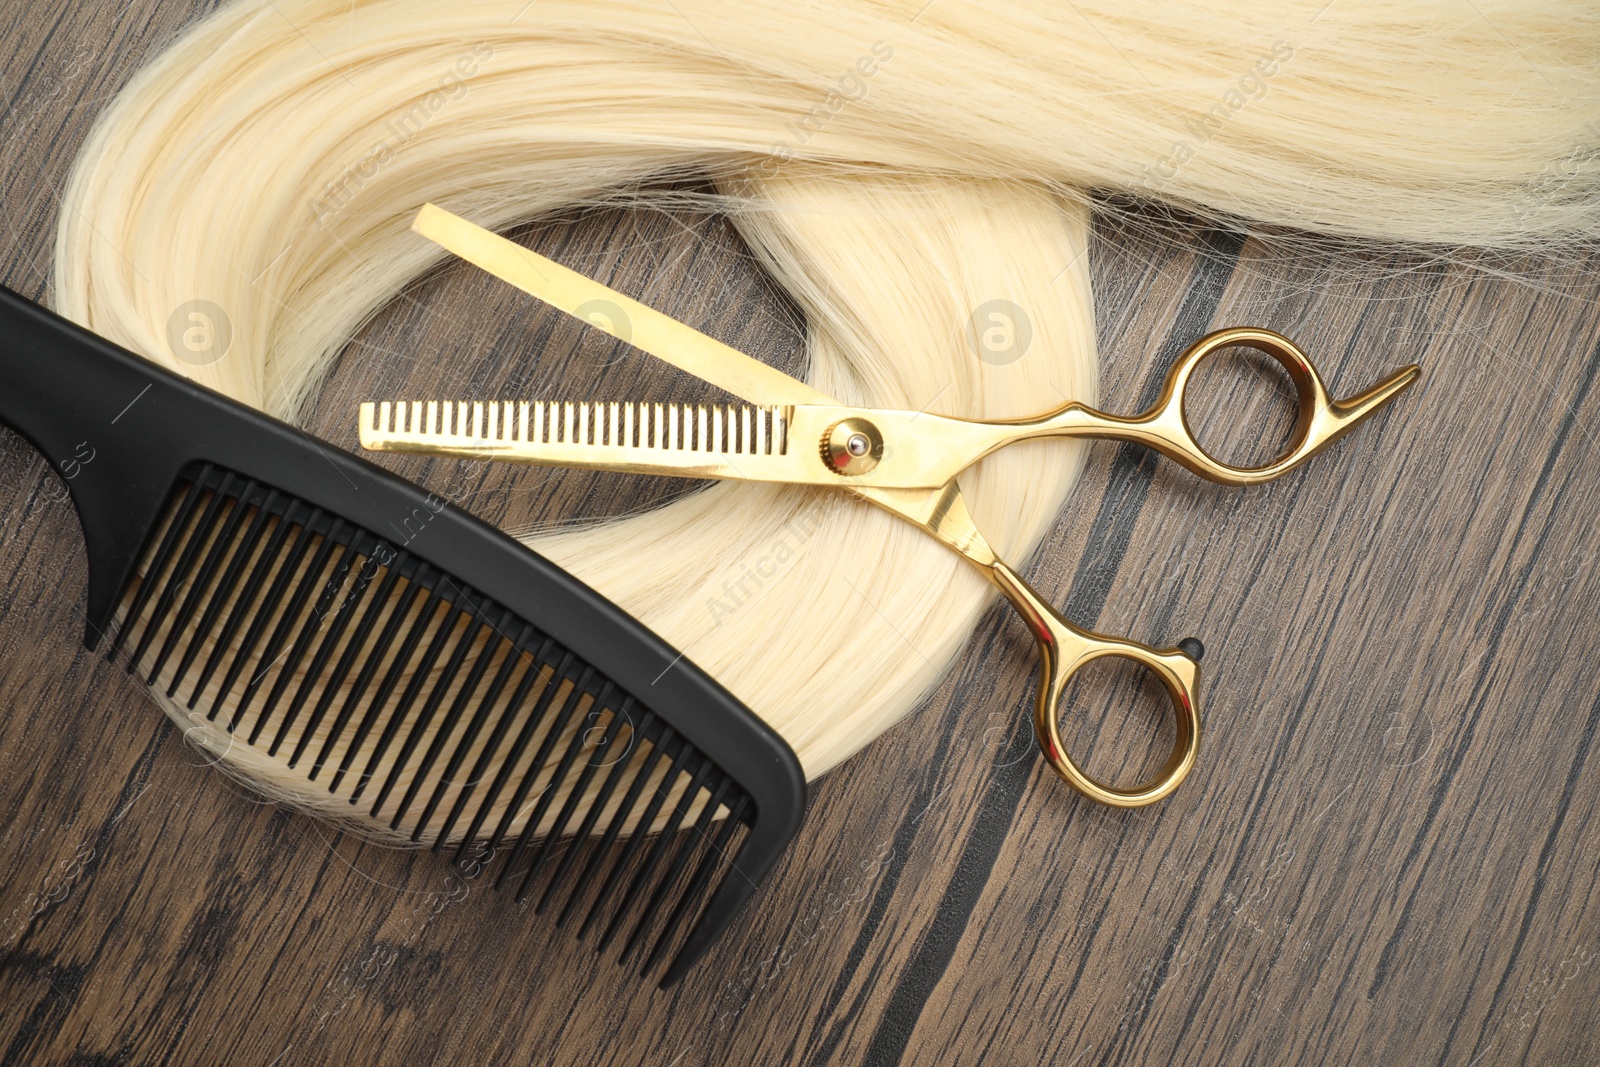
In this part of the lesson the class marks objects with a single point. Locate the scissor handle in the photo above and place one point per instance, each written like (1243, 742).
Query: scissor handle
(1322, 420)
(1063, 648)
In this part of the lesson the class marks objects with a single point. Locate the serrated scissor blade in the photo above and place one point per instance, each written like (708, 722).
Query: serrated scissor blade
(740, 442)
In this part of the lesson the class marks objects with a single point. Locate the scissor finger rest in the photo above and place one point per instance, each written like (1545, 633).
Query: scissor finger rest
(1063, 648)
(1321, 421)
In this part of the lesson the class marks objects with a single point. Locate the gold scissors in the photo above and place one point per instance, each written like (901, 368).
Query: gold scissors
(905, 462)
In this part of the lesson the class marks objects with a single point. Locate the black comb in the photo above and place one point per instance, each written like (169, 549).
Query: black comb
(451, 684)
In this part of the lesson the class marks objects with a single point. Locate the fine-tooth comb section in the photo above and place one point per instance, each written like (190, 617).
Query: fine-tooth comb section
(718, 429)
(428, 707)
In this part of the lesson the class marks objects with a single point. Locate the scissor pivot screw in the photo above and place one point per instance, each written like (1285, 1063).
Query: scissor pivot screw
(852, 446)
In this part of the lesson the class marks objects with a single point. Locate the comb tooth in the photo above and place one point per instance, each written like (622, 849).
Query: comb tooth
(241, 550)
(674, 431)
(704, 442)
(648, 761)
(354, 648)
(580, 740)
(477, 419)
(485, 707)
(369, 668)
(637, 732)
(433, 416)
(574, 794)
(421, 622)
(447, 728)
(224, 522)
(745, 439)
(293, 616)
(685, 849)
(180, 569)
(260, 617)
(553, 786)
(641, 830)
(671, 763)
(536, 663)
(467, 635)
(669, 834)
(344, 605)
(614, 426)
(183, 507)
(309, 625)
(240, 610)
(491, 430)
(620, 715)
(297, 590)
(702, 876)
(373, 656)
(557, 715)
(448, 621)
(763, 435)
(536, 717)
(522, 421)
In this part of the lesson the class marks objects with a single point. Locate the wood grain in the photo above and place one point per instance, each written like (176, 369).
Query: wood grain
(1387, 854)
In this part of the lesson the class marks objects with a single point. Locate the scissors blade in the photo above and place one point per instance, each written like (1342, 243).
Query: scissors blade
(606, 309)
(733, 441)
(940, 512)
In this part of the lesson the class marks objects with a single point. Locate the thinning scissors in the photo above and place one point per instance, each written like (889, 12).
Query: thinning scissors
(905, 462)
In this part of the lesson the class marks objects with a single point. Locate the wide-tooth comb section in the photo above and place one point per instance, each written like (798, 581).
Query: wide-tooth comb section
(717, 429)
(301, 611)
(437, 708)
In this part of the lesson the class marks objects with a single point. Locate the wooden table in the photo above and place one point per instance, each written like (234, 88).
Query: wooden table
(1387, 855)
